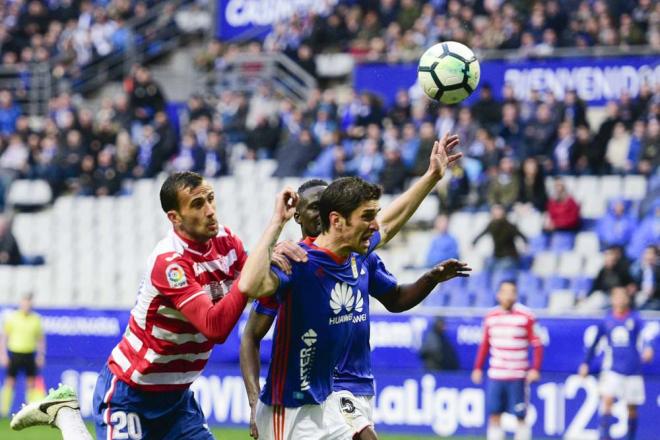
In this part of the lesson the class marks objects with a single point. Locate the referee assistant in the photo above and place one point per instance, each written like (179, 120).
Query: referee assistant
(22, 348)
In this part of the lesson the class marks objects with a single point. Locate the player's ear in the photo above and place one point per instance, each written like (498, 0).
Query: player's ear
(336, 220)
(174, 217)
(296, 216)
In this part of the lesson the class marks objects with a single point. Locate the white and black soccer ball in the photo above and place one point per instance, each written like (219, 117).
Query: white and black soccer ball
(448, 72)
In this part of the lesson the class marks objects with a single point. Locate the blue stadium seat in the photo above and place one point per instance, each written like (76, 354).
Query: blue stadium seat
(478, 281)
(555, 283)
(537, 300)
(528, 282)
(538, 244)
(436, 299)
(580, 285)
(484, 299)
(459, 298)
(562, 241)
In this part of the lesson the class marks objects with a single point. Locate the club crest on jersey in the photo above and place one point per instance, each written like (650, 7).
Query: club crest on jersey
(176, 277)
(354, 267)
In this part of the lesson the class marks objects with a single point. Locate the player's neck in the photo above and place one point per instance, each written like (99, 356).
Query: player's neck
(190, 241)
(620, 313)
(332, 244)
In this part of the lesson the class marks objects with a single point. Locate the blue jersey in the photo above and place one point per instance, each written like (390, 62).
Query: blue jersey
(319, 303)
(622, 333)
(354, 372)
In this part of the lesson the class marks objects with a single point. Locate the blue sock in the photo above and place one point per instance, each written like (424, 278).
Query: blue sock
(632, 428)
(604, 427)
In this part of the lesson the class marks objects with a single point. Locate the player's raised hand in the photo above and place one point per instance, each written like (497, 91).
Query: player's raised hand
(442, 155)
(291, 249)
(449, 269)
(583, 371)
(285, 205)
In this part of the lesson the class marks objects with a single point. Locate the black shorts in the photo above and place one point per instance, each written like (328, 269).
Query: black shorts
(25, 362)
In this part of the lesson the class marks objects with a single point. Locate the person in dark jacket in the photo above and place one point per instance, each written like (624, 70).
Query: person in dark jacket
(504, 233)
(436, 351)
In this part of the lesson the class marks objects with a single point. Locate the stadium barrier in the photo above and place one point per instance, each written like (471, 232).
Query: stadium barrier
(408, 398)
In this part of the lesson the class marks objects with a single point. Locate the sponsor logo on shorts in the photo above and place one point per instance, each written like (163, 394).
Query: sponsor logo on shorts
(347, 405)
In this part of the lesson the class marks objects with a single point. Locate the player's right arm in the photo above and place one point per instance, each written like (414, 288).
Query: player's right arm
(257, 279)
(477, 372)
(591, 351)
(260, 320)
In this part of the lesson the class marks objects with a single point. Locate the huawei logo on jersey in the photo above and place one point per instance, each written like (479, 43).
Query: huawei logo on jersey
(341, 297)
(359, 302)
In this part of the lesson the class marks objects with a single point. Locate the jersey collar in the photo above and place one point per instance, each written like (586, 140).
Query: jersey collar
(194, 246)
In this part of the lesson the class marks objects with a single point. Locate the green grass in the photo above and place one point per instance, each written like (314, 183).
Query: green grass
(47, 433)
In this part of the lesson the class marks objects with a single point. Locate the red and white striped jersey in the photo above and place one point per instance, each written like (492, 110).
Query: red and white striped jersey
(161, 350)
(508, 336)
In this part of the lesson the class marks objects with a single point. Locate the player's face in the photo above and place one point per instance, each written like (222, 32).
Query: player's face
(361, 225)
(620, 299)
(196, 215)
(507, 296)
(307, 214)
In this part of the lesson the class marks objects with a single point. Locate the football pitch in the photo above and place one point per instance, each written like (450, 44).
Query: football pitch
(46, 433)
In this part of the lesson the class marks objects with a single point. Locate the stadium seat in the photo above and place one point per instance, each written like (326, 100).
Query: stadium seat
(544, 264)
(634, 187)
(593, 207)
(580, 285)
(554, 283)
(560, 301)
(611, 187)
(484, 299)
(570, 264)
(29, 193)
(530, 224)
(528, 282)
(427, 211)
(592, 265)
(586, 243)
(538, 244)
(458, 298)
(586, 187)
(537, 300)
(561, 241)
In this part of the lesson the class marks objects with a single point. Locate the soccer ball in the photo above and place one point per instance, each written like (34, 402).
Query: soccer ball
(448, 72)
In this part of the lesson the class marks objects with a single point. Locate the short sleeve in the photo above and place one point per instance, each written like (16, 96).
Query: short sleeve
(39, 326)
(285, 282)
(174, 278)
(381, 281)
(267, 305)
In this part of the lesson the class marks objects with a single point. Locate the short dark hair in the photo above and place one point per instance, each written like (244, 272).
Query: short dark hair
(344, 196)
(508, 281)
(168, 192)
(311, 184)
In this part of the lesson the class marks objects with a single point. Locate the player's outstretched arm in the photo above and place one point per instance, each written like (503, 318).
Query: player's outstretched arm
(256, 328)
(403, 207)
(256, 277)
(405, 297)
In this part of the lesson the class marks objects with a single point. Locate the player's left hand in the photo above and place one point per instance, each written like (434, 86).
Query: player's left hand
(441, 156)
(647, 355)
(449, 269)
(285, 205)
(532, 376)
(285, 252)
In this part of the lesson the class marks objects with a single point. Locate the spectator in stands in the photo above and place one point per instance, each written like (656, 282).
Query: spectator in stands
(456, 194)
(539, 134)
(145, 95)
(394, 173)
(9, 113)
(294, 156)
(646, 274)
(647, 233)
(510, 129)
(603, 136)
(503, 233)
(574, 110)
(635, 146)
(191, 155)
(563, 212)
(561, 152)
(504, 187)
(650, 158)
(614, 273)
(487, 111)
(10, 253)
(437, 351)
(444, 245)
(616, 227)
(584, 158)
(532, 192)
(13, 164)
(617, 149)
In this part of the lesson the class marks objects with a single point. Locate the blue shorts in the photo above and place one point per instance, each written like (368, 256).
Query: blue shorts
(121, 412)
(506, 396)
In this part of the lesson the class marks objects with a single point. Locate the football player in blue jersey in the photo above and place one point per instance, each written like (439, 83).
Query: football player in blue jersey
(621, 376)
(323, 298)
(353, 387)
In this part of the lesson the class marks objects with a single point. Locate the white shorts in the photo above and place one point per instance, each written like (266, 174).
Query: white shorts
(630, 389)
(357, 411)
(317, 422)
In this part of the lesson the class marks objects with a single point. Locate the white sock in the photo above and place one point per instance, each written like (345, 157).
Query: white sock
(523, 432)
(495, 433)
(70, 422)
